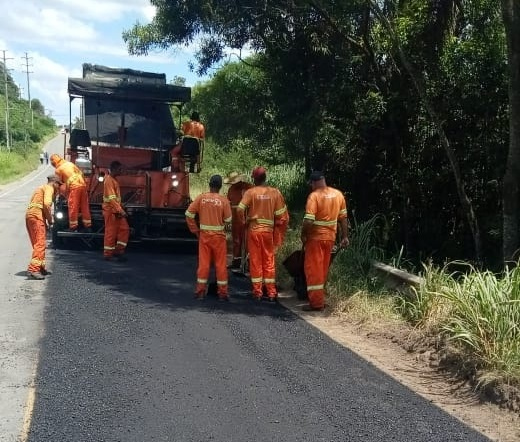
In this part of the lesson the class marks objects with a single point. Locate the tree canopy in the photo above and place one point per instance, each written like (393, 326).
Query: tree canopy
(404, 103)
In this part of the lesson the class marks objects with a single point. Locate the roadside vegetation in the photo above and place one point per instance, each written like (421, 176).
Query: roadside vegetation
(26, 135)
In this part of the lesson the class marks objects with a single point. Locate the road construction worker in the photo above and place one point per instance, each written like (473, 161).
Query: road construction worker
(263, 210)
(325, 208)
(117, 230)
(38, 218)
(214, 216)
(193, 127)
(237, 188)
(78, 202)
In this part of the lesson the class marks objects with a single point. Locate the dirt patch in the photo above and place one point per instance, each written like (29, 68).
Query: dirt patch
(416, 362)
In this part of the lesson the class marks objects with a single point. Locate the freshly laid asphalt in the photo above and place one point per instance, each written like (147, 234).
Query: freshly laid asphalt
(122, 352)
(127, 354)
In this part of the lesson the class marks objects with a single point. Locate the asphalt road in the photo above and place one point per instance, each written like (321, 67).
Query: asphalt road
(127, 354)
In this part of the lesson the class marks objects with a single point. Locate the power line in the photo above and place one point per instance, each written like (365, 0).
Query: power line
(8, 141)
(27, 58)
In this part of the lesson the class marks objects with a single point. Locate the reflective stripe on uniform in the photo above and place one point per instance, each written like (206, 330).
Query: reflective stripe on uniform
(221, 282)
(256, 279)
(121, 243)
(189, 214)
(107, 199)
(309, 216)
(31, 205)
(269, 280)
(242, 206)
(228, 220)
(315, 287)
(211, 228)
(325, 223)
(202, 281)
(280, 211)
(109, 248)
(268, 222)
(73, 177)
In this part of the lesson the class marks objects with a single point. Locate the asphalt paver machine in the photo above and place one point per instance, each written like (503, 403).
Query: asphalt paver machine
(126, 115)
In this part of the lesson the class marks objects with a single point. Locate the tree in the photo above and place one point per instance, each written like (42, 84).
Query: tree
(511, 195)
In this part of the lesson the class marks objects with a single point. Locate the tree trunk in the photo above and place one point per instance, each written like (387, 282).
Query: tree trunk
(418, 82)
(511, 189)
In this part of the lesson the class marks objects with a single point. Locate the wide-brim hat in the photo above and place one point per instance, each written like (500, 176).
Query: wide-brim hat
(234, 177)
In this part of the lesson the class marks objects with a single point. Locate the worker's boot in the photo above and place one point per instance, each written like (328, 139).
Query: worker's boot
(35, 275)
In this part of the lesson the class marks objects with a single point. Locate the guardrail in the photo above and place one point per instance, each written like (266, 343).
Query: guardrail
(395, 278)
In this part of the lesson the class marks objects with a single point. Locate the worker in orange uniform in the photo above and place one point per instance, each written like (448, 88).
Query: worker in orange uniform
(325, 208)
(38, 218)
(264, 211)
(237, 188)
(214, 216)
(117, 230)
(78, 203)
(193, 127)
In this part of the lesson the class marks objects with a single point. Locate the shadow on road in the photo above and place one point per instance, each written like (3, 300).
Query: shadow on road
(159, 277)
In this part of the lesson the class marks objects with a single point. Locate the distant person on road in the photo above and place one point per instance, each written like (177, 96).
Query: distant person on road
(214, 217)
(237, 188)
(78, 202)
(263, 210)
(46, 156)
(325, 209)
(117, 230)
(38, 219)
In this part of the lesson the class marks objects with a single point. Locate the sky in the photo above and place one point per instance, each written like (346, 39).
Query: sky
(58, 36)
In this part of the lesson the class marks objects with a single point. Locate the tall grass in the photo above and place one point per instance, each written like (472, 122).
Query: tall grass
(14, 165)
(485, 321)
(477, 312)
(425, 307)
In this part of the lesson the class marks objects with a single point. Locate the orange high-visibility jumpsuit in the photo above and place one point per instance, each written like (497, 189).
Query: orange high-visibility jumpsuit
(194, 129)
(117, 230)
(266, 213)
(235, 193)
(214, 212)
(325, 207)
(78, 202)
(39, 211)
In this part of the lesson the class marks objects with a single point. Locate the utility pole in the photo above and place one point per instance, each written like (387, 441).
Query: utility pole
(27, 58)
(7, 137)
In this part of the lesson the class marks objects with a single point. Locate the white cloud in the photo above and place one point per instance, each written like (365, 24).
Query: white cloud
(61, 35)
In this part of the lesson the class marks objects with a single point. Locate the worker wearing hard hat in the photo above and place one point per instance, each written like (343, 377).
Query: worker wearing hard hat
(117, 230)
(78, 203)
(214, 215)
(38, 218)
(237, 188)
(264, 211)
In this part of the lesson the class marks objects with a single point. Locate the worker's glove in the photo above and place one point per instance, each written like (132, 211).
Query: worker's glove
(344, 243)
